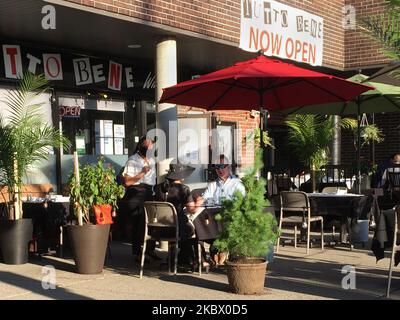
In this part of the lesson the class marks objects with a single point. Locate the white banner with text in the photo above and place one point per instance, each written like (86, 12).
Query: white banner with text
(282, 31)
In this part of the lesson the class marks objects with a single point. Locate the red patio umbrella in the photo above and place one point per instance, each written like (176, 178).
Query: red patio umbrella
(261, 83)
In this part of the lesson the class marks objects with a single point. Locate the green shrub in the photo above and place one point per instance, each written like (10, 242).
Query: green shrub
(97, 186)
(248, 231)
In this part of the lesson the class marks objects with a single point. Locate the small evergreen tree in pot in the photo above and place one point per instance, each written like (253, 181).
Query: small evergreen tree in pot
(249, 233)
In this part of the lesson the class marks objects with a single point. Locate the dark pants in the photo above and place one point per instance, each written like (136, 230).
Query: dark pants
(132, 207)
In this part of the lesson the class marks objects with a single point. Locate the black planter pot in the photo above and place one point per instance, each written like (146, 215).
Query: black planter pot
(89, 245)
(14, 240)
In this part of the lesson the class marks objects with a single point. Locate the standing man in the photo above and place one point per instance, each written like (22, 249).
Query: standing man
(139, 178)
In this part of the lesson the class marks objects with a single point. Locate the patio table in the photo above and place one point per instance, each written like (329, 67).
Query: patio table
(348, 207)
(48, 216)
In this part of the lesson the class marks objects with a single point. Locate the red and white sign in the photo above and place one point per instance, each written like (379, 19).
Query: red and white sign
(69, 111)
(52, 66)
(282, 31)
(12, 61)
(86, 72)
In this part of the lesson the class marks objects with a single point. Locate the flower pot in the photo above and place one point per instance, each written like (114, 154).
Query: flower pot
(246, 276)
(14, 240)
(89, 245)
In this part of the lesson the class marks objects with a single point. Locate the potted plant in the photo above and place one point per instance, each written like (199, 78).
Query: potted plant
(310, 136)
(24, 139)
(248, 234)
(94, 195)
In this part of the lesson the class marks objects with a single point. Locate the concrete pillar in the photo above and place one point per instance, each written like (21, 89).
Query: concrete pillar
(166, 113)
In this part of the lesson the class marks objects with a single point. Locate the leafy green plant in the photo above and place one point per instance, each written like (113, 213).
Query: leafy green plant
(385, 28)
(371, 133)
(97, 186)
(248, 231)
(310, 136)
(255, 135)
(24, 137)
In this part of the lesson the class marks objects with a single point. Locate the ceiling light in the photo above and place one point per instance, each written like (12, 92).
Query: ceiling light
(134, 46)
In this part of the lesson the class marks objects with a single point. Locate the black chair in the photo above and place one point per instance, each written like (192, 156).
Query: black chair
(393, 181)
(298, 204)
(161, 224)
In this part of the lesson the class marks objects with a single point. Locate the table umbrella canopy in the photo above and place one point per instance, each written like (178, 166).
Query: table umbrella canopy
(384, 98)
(263, 83)
(389, 74)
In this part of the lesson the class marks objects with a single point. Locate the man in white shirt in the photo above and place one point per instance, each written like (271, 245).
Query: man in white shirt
(225, 186)
(139, 179)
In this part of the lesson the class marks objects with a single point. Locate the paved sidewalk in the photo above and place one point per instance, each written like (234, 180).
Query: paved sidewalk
(291, 275)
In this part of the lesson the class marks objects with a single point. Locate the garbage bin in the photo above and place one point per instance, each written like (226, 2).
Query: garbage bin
(359, 231)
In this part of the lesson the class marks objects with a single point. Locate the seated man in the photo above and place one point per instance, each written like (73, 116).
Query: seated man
(223, 188)
(380, 178)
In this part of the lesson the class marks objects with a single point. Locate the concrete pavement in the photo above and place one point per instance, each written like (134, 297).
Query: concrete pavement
(291, 275)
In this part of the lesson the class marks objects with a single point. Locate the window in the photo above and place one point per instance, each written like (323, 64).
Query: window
(93, 126)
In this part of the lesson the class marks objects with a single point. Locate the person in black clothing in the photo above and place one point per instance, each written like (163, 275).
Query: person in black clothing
(378, 181)
(173, 190)
(139, 178)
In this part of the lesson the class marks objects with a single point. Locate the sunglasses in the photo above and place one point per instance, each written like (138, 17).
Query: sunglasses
(220, 166)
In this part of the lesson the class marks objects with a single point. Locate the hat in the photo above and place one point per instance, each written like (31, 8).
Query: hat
(179, 171)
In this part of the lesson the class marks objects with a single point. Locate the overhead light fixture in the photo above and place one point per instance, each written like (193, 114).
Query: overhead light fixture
(134, 46)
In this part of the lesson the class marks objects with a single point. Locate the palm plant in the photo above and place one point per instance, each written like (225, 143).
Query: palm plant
(24, 138)
(310, 136)
(385, 28)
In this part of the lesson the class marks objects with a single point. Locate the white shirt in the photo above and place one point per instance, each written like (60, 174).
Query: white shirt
(134, 166)
(219, 189)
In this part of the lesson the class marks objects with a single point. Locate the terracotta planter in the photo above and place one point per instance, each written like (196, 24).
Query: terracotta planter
(246, 276)
(89, 245)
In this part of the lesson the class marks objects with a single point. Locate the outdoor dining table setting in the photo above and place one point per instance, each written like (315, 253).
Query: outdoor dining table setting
(347, 207)
(48, 214)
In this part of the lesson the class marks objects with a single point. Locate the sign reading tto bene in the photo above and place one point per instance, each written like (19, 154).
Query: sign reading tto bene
(282, 31)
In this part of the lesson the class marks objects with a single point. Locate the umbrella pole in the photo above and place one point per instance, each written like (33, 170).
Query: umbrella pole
(358, 147)
(262, 144)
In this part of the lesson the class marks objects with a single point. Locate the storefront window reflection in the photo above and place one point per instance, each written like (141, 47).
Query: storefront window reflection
(94, 126)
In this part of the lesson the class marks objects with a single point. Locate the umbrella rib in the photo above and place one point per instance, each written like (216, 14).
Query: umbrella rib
(323, 89)
(344, 106)
(288, 83)
(382, 73)
(212, 106)
(185, 91)
(391, 101)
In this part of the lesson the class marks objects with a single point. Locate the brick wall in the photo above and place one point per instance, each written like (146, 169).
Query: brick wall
(360, 49)
(220, 19)
(389, 123)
